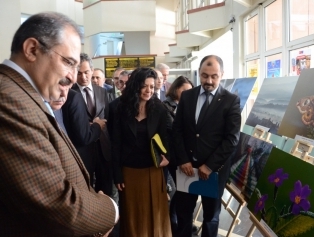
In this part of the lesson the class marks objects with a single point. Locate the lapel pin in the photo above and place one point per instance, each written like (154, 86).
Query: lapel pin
(218, 99)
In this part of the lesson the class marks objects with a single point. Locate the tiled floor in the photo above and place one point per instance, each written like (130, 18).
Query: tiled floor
(225, 221)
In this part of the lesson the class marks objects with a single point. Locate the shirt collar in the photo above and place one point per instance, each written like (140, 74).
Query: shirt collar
(212, 92)
(20, 70)
(83, 87)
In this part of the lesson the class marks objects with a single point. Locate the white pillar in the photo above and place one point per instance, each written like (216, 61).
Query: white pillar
(10, 20)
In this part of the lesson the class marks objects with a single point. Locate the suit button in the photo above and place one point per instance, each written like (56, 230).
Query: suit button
(197, 135)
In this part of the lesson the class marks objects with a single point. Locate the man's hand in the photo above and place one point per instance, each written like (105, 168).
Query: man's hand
(187, 169)
(164, 161)
(120, 187)
(204, 172)
(101, 122)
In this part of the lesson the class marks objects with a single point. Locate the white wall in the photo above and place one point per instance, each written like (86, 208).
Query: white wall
(165, 29)
(10, 20)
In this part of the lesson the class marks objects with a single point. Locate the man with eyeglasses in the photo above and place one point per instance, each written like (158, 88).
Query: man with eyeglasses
(123, 78)
(44, 185)
(164, 69)
(97, 155)
(115, 90)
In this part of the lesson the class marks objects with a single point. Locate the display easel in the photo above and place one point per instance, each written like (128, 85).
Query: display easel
(256, 225)
(301, 149)
(234, 214)
(260, 134)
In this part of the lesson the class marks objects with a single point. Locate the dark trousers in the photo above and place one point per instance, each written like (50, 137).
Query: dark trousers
(185, 205)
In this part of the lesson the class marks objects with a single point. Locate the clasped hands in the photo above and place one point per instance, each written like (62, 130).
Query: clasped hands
(203, 170)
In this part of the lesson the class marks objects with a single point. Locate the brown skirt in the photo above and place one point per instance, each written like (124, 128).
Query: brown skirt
(143, 204)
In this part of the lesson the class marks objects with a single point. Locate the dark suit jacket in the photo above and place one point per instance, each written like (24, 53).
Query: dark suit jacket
(76, 121)
(124, 136)
(112, 107)
(102, 111)
(213, 141)
(44, 185)
(111, 94)
(97, 155)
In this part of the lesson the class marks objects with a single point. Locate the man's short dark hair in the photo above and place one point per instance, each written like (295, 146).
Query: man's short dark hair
(218, 59)
(85, 58)
(46, 27)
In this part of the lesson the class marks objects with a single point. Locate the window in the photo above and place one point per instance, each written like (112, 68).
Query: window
(301, 18)
(301, 59)
(274, 65)
(273, 18)
(251, 26)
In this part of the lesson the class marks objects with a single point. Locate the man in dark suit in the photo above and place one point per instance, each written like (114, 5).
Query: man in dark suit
(81, 132)
(115, 92)
(97, 155)
(161, 94)
(206, 131)
(99, 79)
(44, 185)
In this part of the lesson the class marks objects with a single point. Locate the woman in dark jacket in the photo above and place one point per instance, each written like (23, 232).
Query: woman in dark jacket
(143, 197)
(173, 96)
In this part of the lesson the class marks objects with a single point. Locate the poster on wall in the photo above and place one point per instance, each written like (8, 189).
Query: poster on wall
(272, 102)
(248, 163)
(252, 71)
(300, 59)
(283, 197)
(273, 68)
(243, 88)
(299, 116)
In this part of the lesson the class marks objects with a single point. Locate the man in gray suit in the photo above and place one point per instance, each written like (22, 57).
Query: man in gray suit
(161, 94)
(164, 69)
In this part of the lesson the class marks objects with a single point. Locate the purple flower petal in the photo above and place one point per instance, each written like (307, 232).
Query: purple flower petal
(306, 191)
(298, 187)
(296, 209)
(259, 205)
(279, 172)
(278, 177)
(305, 204)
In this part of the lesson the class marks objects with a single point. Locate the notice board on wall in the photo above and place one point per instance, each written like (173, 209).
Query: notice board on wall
(128, 63)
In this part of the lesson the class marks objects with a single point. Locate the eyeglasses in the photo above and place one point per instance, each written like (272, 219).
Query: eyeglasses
(66, 61)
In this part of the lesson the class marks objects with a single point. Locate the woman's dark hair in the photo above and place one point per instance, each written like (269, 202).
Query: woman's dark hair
(130, 98)
(180, 81)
